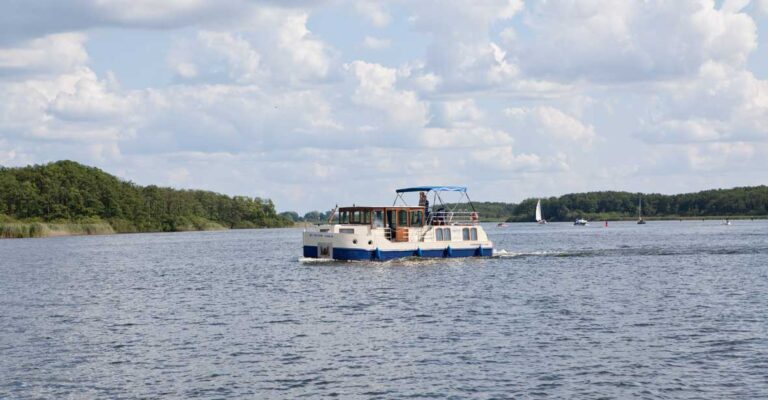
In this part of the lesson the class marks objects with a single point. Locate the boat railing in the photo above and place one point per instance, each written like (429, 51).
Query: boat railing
(453, 218)
(397, 234)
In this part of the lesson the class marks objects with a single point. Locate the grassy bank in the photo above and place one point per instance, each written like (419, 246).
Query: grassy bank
(14, 229)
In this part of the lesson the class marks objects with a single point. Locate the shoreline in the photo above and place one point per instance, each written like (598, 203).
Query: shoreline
(40, 230)
(650, 219)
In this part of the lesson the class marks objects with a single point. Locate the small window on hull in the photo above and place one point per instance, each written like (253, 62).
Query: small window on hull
(465, 234)
(474, 234)
(438, 234)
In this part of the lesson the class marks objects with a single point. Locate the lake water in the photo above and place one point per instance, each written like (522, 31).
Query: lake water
(665, 310)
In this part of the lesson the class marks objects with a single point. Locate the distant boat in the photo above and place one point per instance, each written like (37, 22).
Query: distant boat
(640, 220)
(539, 220)
(502, 224)
(727, 222)
(581, 222)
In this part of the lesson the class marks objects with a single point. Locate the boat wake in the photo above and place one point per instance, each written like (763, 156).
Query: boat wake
(310, 260)
(511, 254)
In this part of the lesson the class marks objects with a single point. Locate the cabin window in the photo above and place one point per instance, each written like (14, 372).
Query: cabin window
(378, 219)
(343, 217)
(474, 233)
(417, 218)
(367, 217)
(465, 234)
(438, 234)
(391, 219)
(347, 230)
(447, 234)
(357, 217)
(402, 218)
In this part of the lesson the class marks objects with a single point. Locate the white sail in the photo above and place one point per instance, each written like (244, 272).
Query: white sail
(538, 211)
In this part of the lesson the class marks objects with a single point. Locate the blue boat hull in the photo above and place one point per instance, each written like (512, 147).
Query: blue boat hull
(379, 255)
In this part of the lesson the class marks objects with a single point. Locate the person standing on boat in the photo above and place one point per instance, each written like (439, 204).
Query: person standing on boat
(424, 202)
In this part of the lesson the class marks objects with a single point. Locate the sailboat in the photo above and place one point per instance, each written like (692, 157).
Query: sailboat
(539, 220)
(640, 220)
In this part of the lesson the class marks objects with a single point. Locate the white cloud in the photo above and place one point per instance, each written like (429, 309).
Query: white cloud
(551, 122)
(734, 6)
(306, 53)
(720, 104)
(375, 88)
(276, 48)
(465, 136)
(716, 156)
(762, 6)
(50, 54)
(90, 99)
(217, 56)
(609, 40)
(503, 158)
(461, 53)
(374, 11)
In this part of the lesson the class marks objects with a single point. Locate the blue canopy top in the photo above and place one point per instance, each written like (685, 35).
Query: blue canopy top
(433, 188)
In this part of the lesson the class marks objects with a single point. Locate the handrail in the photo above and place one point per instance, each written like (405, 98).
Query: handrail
(466, 218)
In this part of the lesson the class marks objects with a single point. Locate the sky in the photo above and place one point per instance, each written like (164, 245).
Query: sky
(314, 103)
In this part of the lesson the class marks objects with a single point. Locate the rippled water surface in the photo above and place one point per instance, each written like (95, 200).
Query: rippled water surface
(665, 310)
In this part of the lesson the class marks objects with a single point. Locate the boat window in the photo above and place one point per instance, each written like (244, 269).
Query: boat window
(465, 234)
(402, 218)
(438, 234)
(343, 217)
(347, 230)
(474, 234)
(357, 217)
(367, 217)
(417, 218)
(447, 234)
(391, 219)
(378, 219)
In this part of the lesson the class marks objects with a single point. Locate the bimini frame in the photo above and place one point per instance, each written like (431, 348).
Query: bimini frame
(437, 200)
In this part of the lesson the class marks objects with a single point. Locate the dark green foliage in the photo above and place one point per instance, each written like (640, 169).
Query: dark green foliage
(741, 201)
(68, 191)
(317, 216)
(493, 211)
(292, 215)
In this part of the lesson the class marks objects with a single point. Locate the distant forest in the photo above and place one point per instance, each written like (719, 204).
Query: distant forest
(66, 191)
(742, 202)
(736, 202)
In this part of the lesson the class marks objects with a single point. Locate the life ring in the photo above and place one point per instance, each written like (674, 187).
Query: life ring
(473, 216)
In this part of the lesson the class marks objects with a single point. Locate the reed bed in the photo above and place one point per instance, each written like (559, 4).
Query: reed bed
(18, 230)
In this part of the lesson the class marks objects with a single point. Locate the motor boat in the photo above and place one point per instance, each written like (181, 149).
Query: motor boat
(380, 233)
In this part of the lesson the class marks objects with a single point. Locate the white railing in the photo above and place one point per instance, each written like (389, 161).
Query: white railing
(453, 218)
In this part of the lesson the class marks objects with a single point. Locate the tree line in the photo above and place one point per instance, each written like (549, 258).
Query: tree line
(612, 205)
(736, 202)
(69, 191)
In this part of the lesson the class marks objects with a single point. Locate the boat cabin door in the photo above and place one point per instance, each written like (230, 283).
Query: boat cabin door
(324, 250)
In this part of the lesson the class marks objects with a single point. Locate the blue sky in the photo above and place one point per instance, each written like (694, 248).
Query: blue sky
(314, 103)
